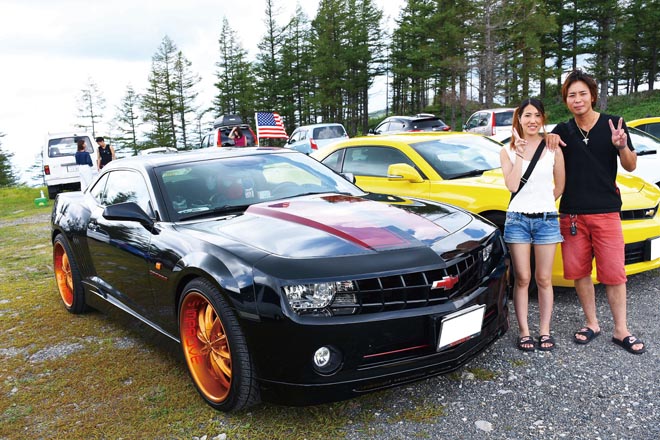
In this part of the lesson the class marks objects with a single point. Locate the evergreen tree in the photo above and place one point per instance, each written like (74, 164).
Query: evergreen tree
(155, 112)
(185, 81)
(7, 176)
(236, 82)
(268, 67)
(90, 106)
(297, 56)
(127, 121)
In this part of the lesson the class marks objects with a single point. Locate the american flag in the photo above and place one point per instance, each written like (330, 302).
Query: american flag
(269, 125)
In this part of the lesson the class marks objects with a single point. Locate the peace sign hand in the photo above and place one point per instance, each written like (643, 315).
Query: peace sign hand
(518, 142)
(619, 137)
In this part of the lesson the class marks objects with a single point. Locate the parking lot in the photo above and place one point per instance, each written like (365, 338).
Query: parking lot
(597, 391)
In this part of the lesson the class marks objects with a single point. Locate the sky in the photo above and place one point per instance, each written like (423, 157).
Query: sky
(50, 49)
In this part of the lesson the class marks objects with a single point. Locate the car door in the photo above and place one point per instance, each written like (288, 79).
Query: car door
(369, 165)
(120, 249)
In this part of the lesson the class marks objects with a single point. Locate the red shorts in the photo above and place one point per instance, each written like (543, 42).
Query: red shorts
(599, 236)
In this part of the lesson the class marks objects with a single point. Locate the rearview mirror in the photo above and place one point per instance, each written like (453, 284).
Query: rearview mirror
(403, 171)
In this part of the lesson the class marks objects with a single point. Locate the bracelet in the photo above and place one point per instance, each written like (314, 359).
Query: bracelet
(621, 147)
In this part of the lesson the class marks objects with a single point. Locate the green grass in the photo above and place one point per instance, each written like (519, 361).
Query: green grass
(115, 381)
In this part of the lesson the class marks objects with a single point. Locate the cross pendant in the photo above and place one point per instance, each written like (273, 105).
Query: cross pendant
(586, 141)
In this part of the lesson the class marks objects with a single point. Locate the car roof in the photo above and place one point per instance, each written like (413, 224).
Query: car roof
(323, 124)
(640, 121)
(155, 160)
(497, 110)
(407, 137)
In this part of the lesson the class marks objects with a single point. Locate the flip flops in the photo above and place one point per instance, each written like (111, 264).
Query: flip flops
(549, 342)
(588, 333)
(526, 343)
(628, 342)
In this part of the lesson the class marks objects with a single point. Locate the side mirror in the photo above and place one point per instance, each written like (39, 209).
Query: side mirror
(371, 131)
(403, 171)
(128, 211)
(349, 176)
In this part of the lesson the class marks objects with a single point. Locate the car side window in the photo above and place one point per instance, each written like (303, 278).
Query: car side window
(473, 121)
(383, 127)
(334, 160)
(126, 186)
(372, 161)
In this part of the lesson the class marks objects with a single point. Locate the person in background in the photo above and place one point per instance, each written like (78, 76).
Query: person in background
(106, 153)
(85, 165)
(532, 221)
(593, 143)
(236, 134)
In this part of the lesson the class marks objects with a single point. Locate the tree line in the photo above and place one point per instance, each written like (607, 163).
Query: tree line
(447, 57)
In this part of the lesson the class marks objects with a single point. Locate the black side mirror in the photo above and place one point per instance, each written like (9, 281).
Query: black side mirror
(128, 211)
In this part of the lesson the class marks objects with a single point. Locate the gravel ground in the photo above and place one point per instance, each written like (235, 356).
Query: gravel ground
(597, 391)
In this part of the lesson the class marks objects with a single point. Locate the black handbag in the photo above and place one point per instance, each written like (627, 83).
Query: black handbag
(530, 168)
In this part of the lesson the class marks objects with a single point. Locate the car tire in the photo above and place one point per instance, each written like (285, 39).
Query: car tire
(53, 191)
(220, 365)
(67, 277)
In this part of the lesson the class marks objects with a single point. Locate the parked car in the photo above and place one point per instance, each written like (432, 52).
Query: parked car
(464, 169)
(280, 279)
(647, 148)
(649, 125)
(219, 135)
(308, 138)
(59, 161)
(158, 150)
(419, 122)
(494, 122)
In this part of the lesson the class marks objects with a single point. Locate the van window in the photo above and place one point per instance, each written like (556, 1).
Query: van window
(503, 118)
(67, 146)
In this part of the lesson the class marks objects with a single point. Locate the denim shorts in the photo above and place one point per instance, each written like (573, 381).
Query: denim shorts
(540, 229)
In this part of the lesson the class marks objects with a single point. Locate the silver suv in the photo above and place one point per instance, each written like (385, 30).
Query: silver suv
(494, 122)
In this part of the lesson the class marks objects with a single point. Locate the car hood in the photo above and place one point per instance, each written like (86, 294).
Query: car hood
(333, 225)
(636, 193)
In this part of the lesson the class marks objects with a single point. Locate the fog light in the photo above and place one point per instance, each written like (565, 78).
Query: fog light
(327, 360)
(322, 357)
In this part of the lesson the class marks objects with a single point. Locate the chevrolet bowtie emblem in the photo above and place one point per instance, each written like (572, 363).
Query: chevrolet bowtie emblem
(445, 283)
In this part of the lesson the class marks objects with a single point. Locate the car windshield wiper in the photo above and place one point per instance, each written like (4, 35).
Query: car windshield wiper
(472, 173)
(219, 210)
(645, 152)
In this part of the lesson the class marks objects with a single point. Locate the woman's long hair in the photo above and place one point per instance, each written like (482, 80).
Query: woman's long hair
(538, 105)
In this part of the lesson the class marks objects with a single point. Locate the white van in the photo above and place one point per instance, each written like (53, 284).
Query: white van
(59, 161)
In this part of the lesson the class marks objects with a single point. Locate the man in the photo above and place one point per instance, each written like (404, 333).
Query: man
(590, 221)
(106, 153)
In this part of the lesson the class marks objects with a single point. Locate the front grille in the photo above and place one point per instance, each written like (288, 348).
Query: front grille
(639, 214)
(412, 290)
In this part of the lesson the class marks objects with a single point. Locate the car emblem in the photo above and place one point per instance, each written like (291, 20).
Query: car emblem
(445, 283)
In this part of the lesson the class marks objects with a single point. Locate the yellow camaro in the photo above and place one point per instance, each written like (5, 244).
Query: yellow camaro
(650, 125)
(464, 169)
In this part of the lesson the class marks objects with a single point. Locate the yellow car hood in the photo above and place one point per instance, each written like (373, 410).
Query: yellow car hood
(636, 193)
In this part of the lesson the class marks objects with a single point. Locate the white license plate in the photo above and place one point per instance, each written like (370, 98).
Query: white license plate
(72, 168)
(461, 326)
(655, 248)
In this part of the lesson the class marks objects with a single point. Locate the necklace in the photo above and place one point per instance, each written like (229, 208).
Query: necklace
(584, 135)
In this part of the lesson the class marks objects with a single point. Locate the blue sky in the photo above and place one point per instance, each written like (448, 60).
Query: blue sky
(50, 48)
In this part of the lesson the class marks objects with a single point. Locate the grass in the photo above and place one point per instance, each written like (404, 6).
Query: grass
(91, 376)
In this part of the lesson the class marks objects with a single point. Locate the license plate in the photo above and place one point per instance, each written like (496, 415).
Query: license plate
(72, 168)
(461, 326)
(655, 248)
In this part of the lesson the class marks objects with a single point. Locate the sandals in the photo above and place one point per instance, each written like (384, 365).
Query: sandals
(588, 334)
(526, 343)
(546, 343)
(628, 342)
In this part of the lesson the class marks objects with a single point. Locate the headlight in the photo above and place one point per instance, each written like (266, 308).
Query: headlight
(307, 298)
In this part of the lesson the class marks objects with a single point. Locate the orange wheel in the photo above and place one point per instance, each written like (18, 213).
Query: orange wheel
(215, 349)
(67, 277)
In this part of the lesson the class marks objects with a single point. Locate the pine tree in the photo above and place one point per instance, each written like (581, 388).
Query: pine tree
(7, 176)
(185, 81)
(127, 121)
(91, 104)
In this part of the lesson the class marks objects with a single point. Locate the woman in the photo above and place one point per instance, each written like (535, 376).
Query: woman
(85, 165)
(238, 137)
(532, 220)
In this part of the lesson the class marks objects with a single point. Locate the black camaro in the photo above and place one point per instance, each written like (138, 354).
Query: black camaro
(279, 278)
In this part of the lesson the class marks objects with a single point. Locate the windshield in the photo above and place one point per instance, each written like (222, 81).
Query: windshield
(460, 156)
(643, 142)
(219, 186)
